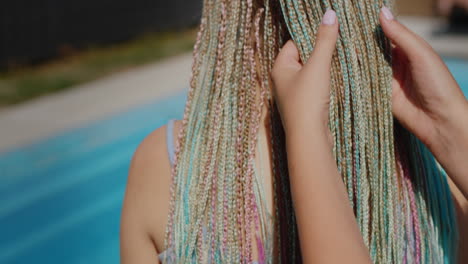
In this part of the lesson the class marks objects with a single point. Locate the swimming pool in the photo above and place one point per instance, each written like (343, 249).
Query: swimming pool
(61, 197)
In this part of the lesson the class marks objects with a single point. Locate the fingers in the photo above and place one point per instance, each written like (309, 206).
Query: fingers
(411, 44)
(288, 60)
(287, 64)
(317, 69)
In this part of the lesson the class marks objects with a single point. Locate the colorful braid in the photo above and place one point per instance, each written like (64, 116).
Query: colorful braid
(217, 213)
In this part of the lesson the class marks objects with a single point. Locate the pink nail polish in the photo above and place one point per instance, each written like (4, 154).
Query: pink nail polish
(387, 13)
(329, 18)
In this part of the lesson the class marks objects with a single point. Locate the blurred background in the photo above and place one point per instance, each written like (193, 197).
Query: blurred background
(82, 83)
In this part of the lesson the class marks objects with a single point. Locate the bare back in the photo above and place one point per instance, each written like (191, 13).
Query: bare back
(147, 200)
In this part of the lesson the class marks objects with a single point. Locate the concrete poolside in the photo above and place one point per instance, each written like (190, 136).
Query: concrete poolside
(445, 45)
(31, 121)
(49, 115)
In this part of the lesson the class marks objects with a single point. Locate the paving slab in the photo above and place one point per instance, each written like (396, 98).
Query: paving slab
(50, 114)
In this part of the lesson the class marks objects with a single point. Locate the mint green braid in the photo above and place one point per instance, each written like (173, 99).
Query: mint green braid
(399, 194)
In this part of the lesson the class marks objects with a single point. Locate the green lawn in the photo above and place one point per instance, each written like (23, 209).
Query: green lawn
(29, 82)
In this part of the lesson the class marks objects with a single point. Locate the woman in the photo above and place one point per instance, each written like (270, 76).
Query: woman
(426, 101)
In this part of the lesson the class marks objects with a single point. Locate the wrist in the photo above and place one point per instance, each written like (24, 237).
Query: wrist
(454, 129)
(312, 147)
(451, 143)
(307, 130)
(314, 134)
(306, 124)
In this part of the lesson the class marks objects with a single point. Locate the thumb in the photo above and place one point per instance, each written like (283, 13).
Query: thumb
(287, 64)
(317, 70)
(319, 61)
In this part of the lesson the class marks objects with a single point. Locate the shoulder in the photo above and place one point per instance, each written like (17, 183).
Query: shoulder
(151, 156)
(147, 195)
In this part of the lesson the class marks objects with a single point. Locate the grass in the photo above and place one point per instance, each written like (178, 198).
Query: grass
(33, 81)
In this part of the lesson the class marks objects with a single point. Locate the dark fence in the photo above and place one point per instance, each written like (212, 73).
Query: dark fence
(32, 30)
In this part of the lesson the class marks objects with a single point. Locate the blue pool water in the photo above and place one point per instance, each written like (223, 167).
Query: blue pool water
(459, 69)
(60, 198)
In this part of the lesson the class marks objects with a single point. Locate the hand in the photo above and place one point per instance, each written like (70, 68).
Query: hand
(302, 92)
(426, 98)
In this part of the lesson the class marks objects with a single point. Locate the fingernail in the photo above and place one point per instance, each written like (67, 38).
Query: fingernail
(387, 13)
(329, 18)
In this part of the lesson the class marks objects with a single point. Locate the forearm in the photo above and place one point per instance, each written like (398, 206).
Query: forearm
(452, 149)
(326, 222)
